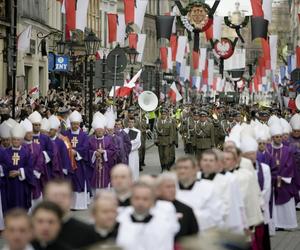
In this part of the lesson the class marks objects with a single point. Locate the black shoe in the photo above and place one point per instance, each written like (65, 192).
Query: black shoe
(280, 229)
(143, 164)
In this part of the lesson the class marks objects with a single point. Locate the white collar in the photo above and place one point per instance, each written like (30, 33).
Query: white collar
(27, 142)
(277, 147)
(53, 138)
(75, 132)
(19, 148)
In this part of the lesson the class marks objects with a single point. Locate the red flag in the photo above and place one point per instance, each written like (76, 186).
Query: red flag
(257, 8)
(209, 33)
(173, 45)
(262, 67)
(70, 14)
(132, 39)
(174, 94)
(196, 56)
(205, 73)
(298, 56)
(129, 6)
(112, 27)
(266, 52)
(299, 16)
(164, 58)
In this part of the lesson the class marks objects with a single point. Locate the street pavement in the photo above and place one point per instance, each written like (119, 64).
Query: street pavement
(282, 240)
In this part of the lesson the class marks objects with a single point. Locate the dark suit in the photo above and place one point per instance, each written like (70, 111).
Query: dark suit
(76, 234)
(187, 220)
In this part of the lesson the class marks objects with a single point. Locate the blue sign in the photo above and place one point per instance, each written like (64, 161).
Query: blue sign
(61, 63)
(58, 63)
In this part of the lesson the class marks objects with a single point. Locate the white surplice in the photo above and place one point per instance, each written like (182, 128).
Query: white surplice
(207, 205)
(157, 234)
(251, 195)
(133, 159)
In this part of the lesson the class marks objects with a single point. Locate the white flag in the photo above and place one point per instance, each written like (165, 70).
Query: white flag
(81, 14)
(24, 39)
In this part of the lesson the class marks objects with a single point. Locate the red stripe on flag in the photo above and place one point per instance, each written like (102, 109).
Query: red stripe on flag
(164, 58)
(266, 52)
(123, 91)
(298, 56)
(205, 73)
(173, 45)
(209, 33)
(196, 56)
(71, 14)
(262, 66)
(257, 8)
(129, 6)
(172, 95)
(132, 39)
(112, 27)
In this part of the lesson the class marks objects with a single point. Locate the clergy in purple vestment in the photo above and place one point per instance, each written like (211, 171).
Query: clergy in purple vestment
(80, 143)
(286, 187)
(125, 146)
(40, 170)
(61, 164)
(18, 173)
(101, 153)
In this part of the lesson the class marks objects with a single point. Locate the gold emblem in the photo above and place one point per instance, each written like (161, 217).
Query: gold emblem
(15, 158)
(74, 142)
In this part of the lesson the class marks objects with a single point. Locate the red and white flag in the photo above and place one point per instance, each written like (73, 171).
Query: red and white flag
(76, 14)
(174, 94)
(120, 91)
(131, 83)
(116, 28)
(24, 39)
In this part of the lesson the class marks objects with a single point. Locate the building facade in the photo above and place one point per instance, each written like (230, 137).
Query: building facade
(32, 67)
(294, 23)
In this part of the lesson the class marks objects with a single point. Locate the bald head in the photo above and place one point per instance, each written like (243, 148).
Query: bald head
(121, 179)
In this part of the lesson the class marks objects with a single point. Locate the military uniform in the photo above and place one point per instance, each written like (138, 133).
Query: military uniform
(143, 126)
(174, 144)
(219, 132)
(184, 130)
(165, 138)
(204, 135)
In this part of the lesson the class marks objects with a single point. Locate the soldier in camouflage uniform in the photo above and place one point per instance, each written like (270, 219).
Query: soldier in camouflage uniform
(164, 129)
(204, 134)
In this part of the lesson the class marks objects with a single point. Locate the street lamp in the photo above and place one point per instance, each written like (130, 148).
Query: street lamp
(132, 55)
(61, 45)
(92, 43)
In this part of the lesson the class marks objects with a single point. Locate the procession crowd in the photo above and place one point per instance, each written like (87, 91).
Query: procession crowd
(240, 175)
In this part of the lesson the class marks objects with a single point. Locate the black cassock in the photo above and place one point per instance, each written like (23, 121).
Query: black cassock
(187, 220)
(77, 234)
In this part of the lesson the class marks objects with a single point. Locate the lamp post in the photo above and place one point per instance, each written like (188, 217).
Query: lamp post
(157, 71)
(132, 56)
(61, 45)
(92, 43)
